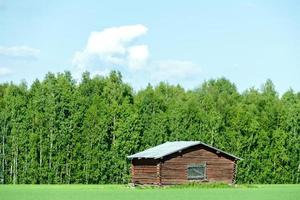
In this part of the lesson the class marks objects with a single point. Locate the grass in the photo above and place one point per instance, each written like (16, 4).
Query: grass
(190, 185)
(115, 192)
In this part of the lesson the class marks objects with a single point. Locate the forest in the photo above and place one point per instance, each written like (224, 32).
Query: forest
(62, 131)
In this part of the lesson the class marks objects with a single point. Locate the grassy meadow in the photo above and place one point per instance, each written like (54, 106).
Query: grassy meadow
(113, 192)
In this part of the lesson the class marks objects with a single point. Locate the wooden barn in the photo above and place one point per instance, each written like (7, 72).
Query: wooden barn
(182, 162)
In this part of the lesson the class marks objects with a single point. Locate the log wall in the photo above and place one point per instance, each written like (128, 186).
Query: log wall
(219, 168)
(173, 168)
(144, 171)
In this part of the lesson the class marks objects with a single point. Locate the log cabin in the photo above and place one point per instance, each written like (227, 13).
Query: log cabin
(182, 162)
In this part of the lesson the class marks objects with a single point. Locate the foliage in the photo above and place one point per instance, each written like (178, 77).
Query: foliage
(60, 131)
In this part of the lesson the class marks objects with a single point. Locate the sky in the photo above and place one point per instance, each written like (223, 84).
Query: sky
(179, 42)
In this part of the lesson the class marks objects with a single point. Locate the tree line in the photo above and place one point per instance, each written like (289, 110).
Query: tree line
(61, 131)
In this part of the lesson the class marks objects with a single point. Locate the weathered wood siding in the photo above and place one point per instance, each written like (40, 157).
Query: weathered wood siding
(172, 169)
(219, 168)
(144, 171)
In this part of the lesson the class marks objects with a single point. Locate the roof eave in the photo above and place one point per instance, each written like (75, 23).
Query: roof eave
(179, 150)
(224, 152)
(169, 153)
(140, 157)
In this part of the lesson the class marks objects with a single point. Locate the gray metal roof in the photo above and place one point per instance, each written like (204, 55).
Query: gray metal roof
(168, 148)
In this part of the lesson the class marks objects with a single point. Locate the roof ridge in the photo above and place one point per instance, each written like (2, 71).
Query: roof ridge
(163, 149)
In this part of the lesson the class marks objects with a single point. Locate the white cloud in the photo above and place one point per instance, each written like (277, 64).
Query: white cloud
(174, 69)
(5, 71)
(138, 56)
(24, 52)
(116, 48)
(113, 46)
(113, 40)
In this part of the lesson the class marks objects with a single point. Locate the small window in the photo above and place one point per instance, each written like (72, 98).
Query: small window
(196, 171)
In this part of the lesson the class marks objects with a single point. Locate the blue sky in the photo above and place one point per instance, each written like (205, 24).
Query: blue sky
(183, 42)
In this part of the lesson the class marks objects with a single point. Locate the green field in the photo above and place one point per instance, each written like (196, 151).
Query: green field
(90, 192)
